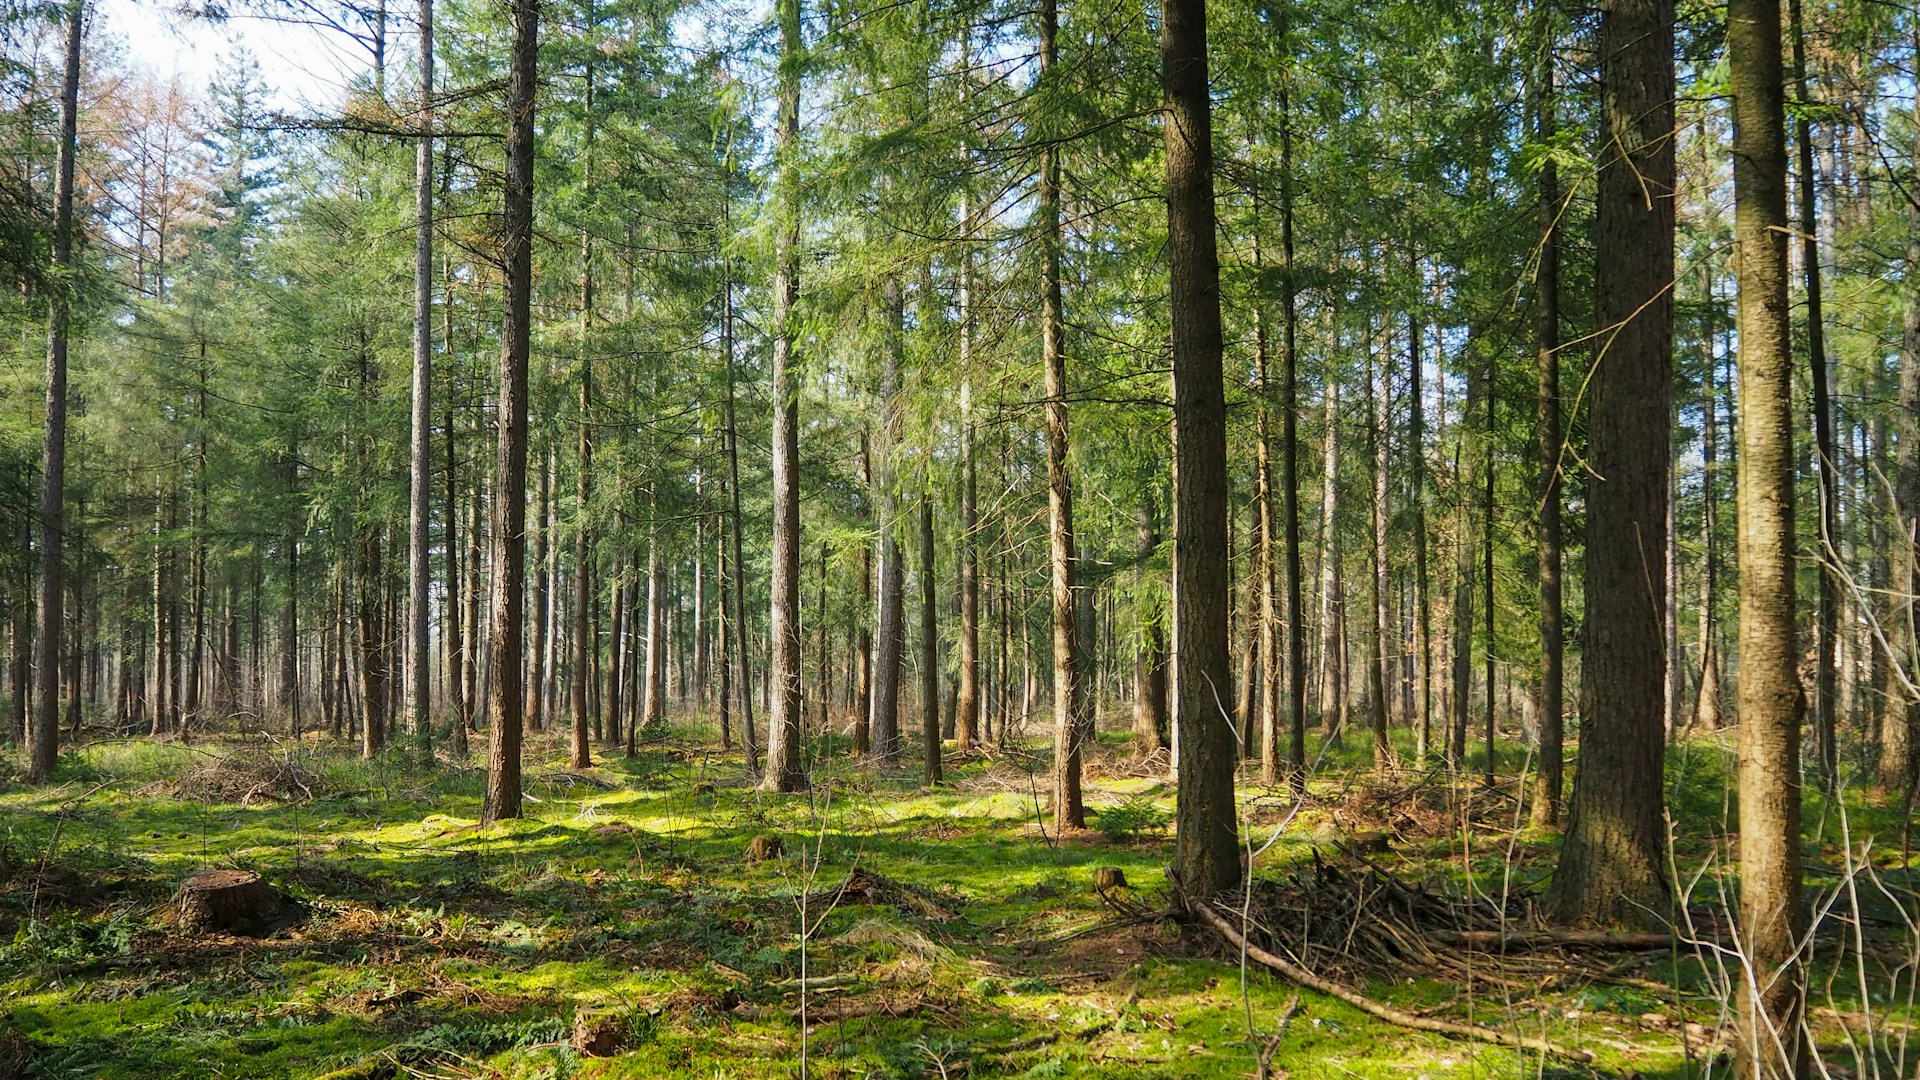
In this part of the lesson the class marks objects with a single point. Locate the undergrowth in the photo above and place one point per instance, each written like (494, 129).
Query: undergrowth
(431, 946)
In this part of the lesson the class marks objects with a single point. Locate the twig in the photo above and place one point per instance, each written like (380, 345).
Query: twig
(1264, 1070)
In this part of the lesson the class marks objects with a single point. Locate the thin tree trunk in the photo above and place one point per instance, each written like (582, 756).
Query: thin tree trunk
(1377, 453)
(420, 471)
(1827, 614)
(889, 617)
(929, 646)
(1549, 778)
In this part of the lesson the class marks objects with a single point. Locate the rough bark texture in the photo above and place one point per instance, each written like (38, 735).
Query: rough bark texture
(1826, 460)
(1548, 779)
(224, 901)
(1611, 868)
(1296, 670)
(784, 772)
(1206, 853)
(1068, 686)
(48, 632)
(1769, 1043)
(505, 643)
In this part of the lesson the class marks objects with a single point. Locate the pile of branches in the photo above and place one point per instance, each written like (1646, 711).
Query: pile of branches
(243, 779)
(1351, 921)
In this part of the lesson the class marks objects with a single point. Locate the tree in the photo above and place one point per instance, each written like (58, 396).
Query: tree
(1771, 1040)
(420, 462)
(784, 772)
(1069, 686)
(48, 634)
(1206, 852)
(1611, 868)
(505, 645)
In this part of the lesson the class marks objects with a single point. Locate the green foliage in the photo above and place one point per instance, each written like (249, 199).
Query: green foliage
(1138, 817)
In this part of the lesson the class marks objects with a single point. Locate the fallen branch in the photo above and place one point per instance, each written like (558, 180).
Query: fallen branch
(1551, 939)
(1308, 979)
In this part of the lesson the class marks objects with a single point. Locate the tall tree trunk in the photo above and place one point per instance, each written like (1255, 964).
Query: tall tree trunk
(506, 643)
(1612, 866)
(929, 646)
(1377, 453)
(1206, 850)
(1899, 766)
(1333, 660)
(544, 627)
(1548, 779)
(889, 617)
(1706, 702)
(1417, 460)
(1770, 1041)
(420, 462)
(1296, 611)
(1069, 690)
(784, 771)
(53, 450)
(583, 572)
(654, 714)
(1827, 614)
(749, 735)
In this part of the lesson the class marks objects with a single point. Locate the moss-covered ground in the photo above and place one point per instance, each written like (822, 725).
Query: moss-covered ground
(432, 946)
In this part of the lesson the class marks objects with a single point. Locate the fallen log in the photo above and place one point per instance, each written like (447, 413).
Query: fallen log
(1553, 939)
(1297, 974)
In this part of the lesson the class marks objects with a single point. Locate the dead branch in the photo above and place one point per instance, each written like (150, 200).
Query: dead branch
(1301, 976)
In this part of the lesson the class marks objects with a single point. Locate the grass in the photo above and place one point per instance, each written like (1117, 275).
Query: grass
(435, 947)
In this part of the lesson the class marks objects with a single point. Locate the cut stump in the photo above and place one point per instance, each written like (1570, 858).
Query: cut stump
(231, 901)
(1108, 877)
(599, 1034)
(765, 846)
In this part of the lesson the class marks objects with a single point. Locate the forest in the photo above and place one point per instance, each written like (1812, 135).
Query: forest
(959, 538)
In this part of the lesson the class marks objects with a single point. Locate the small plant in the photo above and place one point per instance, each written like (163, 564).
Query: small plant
(1131, 820)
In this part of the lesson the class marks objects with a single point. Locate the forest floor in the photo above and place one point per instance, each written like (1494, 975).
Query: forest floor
(625, 911)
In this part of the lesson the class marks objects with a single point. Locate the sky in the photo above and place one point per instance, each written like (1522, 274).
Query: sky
(306, 68)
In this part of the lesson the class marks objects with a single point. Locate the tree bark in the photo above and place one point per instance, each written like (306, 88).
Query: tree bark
(1549, 778)
(420, 460)
(1377, 452)
(506, 644)
(1611, 868)
(1770, 1042)
(929, 646)
(784, 771)
(48, 634)
(1068, 685)
(889, 616)
(1206, 851)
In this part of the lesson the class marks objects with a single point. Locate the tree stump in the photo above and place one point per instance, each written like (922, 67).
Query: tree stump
(224, 900)
(599, 1034)
(1108, 877)
(765, 846)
